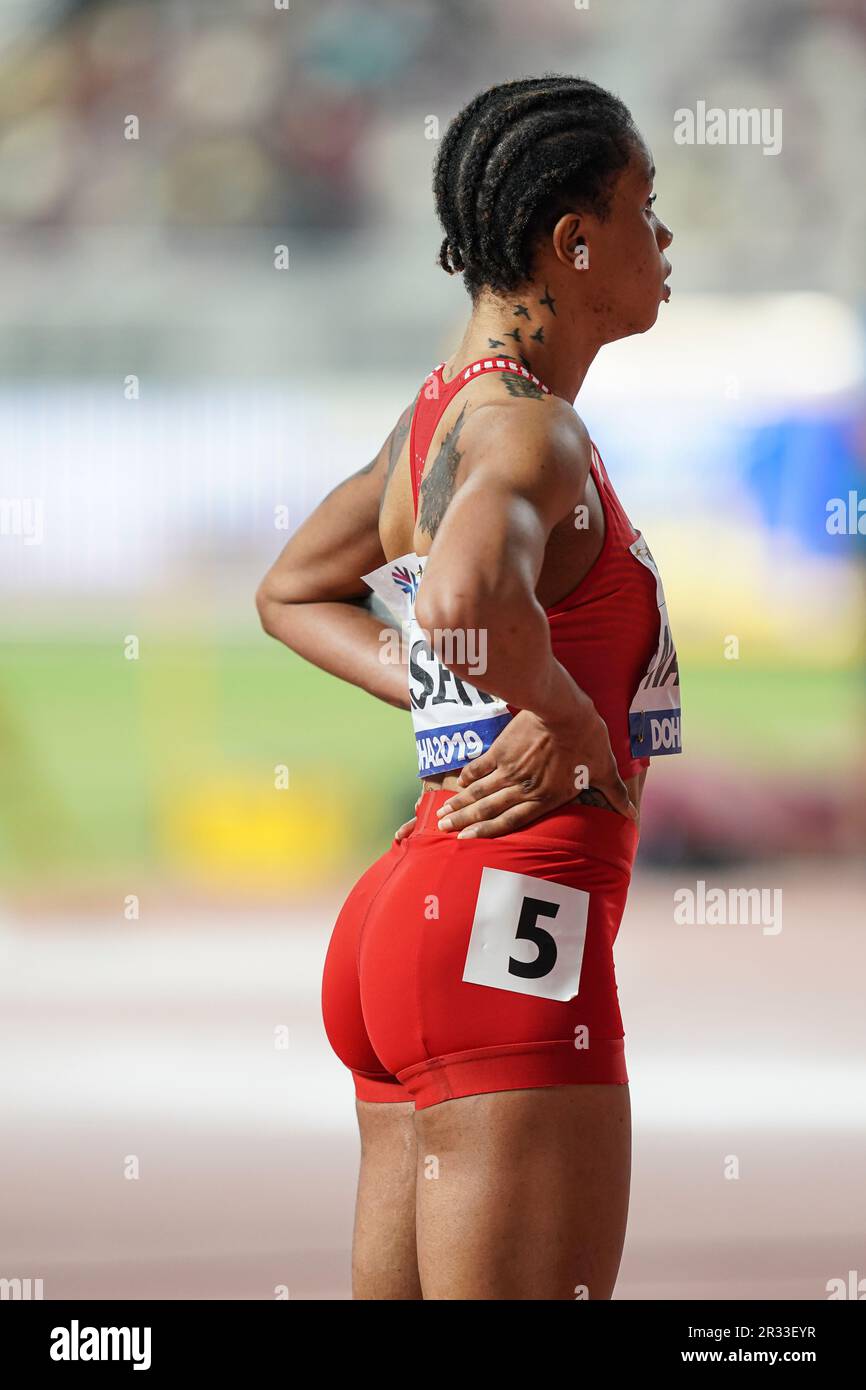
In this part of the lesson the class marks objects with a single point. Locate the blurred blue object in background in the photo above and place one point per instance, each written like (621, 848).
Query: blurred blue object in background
(796, 464)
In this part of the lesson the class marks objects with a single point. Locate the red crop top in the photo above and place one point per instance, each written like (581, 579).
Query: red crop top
(606, 632)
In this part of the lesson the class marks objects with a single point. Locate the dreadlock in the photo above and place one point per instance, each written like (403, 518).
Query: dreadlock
(513, 161)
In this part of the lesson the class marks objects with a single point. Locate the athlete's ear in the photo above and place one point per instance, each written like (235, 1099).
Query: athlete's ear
(568, 239)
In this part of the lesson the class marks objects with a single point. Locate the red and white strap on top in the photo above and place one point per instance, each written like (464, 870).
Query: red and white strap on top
(429, 409)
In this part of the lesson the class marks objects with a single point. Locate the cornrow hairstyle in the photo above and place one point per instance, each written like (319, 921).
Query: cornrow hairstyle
(513, 161)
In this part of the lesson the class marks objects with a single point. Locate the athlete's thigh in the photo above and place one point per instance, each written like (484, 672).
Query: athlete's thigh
(384, 1261)
(523, 1194)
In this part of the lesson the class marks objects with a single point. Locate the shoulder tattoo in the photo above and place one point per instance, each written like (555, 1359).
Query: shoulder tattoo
(517, 385)
(437, 487)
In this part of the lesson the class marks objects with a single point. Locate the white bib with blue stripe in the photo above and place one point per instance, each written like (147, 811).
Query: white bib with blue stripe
(454, 721)
(654, 719)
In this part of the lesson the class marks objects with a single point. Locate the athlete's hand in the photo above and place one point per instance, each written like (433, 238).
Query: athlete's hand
(531, 769)
(408, 825)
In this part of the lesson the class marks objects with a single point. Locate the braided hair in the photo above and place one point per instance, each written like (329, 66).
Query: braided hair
(513, 161)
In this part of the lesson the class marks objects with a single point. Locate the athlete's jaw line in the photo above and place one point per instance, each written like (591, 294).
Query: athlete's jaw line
(554, 326)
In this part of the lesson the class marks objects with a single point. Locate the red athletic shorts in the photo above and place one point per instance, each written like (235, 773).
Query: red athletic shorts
(459, 967)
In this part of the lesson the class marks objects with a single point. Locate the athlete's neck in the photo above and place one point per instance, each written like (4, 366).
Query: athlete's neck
(538, 330)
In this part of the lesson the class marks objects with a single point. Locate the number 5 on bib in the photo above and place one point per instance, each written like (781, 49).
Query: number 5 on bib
(527, 935)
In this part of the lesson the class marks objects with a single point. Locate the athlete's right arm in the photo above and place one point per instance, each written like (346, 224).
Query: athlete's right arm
(526, 466)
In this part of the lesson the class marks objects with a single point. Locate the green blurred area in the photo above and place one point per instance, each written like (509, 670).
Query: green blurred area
(112, 765)
(96, 748)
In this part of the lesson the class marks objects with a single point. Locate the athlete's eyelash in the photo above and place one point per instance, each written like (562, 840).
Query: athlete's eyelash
(651, 199)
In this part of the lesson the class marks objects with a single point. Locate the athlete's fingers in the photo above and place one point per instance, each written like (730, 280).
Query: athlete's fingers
(479, 767)
(616, 791)
(495, 781)
(485, 807)
(511, 819)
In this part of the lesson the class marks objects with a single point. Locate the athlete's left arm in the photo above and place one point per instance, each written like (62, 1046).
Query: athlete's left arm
(312, 599)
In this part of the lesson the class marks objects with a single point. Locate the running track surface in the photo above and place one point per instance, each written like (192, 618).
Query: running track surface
(156, 1040)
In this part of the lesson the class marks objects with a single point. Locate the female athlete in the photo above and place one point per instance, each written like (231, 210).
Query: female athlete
(469, 983)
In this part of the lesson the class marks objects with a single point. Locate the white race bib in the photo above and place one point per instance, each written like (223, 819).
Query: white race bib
(528, 935)
(654, 713)
(454, 720)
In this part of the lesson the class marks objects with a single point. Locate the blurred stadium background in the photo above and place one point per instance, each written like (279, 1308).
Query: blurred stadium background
(169, 395)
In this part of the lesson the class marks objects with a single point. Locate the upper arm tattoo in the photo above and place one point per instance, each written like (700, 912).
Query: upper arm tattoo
(395, 442)
(398, 438)
(437, 487)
